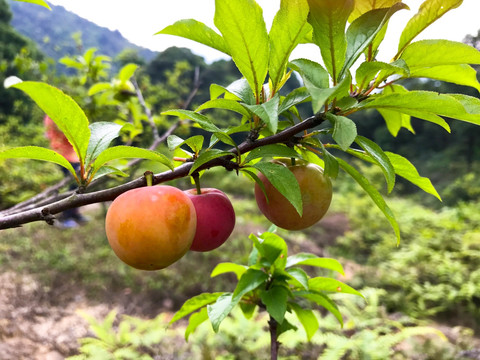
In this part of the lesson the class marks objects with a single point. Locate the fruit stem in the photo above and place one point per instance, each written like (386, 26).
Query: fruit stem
(148, 177)
(196, 180)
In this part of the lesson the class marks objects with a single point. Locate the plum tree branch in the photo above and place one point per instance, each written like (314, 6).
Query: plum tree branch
(62, 203)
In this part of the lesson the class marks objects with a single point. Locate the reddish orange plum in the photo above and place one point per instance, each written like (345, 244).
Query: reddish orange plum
(152, 227)
(215, 218)
(316, 190)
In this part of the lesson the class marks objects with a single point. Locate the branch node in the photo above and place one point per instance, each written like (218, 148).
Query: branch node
(49, 218)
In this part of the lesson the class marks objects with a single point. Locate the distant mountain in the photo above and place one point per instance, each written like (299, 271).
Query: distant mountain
(53, 31)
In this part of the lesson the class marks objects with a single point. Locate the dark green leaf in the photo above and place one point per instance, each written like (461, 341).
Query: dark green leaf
(380, 158)
(248, 309)
(267, 112)
(374, 195)
(245, 33)
(284, 181)
(197, 31)
(328, 19)
(296, 97)
(249, 281)
(195, 303)
(109, 170)
(102, 134)
(275, 300)
(241, 90)
(274, 249)
(273, 150)
(344, 130)
(207, 156)
(307, 318)
(226, 104)
(368, 70)
(299, 275)
(227, 267)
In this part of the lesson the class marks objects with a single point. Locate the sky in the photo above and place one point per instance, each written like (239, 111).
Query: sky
(139, 20)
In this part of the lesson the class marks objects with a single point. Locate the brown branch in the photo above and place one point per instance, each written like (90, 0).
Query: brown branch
(46, 211)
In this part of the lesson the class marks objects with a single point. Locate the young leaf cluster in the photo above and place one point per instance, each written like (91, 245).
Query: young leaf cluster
(273, 282)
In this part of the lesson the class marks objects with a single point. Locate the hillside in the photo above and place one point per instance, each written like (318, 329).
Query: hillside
(53, 30)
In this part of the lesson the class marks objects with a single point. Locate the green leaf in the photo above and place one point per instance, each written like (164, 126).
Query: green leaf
(197, 31)
(267, 112)
(273, 150)
(174, 142)
(331, 163)
(248, 309)
(374, 195)
(284, 181)
(102, 134)
(244, 31)
(380, 158)
(37, 153)
(108, 170)
(307, 318)
(204, 122)
(289, 27)
(241, 90)
(344, 130)
(363, 6)
(313, 260)
(299, 275)
(394, 119)
(429, 53)
(99, 87)
(324, 301)
(407, 170)
(195, 320)
(295, 97)
(223, 137)
(322, 96)
(328, 19)
(472, 108)
(127, 72)
(362, 32)
(38, 2)
(226, 104)
(123, 152)
(219, 310)
(457, 74)
(312, 72)
(227, 267)
(275, 300)
(331, 285)
(429, 12)
(63, 110)
(206, 157)
(195, 142)
(368, 70)
(274, 249)
(195, 303)
(249, 281)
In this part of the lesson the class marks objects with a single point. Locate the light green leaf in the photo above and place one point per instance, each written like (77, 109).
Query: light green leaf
(313, 260)
(102, 134)
(227, 267)
(273, 150)
(324, 301)
(404, 168)
(197, 31)
(195, 320)
(284, 181)
(124, 152)
(37, 153)
(344, 130)
(127, 72)
(328, 19)
(374, 195)
(429, 12)
(249, 281)
(428, 53)
(219, 310)
(204, 122)
(274, 249)
(206, 157)
(195, 303)
(363, 6)
(108, 170)
(472, 108)
(299, 275)
(368, 71)
(194, 142)
(394, 119)
(307, 318)
(99, 87)
(457, 74)
(380, 158)
(226, 104)
(244, 31)
(275, 300)
(312, 72)
(296, 97)
(289, 27)
(174, 141)
(362, 32)
(267, 112)
(241, 89)
(63, 110)
(331, 285)
(38, 2)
